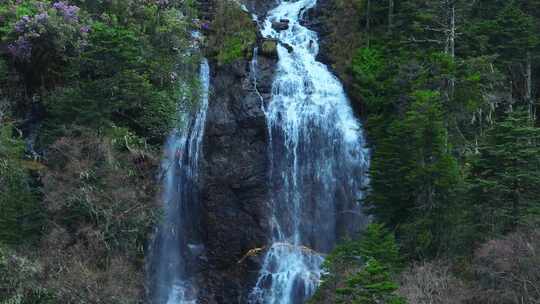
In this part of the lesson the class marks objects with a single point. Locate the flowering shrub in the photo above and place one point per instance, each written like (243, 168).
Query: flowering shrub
(69, 12)
(50, 35)
(112, 67)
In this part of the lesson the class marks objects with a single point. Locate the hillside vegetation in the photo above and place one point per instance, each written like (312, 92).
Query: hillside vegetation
(449, 90)
(89, 90)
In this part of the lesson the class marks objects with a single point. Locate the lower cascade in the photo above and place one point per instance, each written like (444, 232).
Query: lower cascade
(176, 243)
(318, 163)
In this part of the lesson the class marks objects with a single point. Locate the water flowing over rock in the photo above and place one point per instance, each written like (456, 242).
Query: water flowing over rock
(177, 244)
(318, 163)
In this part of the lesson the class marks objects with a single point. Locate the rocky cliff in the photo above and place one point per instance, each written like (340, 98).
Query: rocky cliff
(234, 186)
(234, 190)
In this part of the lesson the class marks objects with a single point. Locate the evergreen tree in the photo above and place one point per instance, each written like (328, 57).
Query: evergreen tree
(414, 177)
(372, 285)
(378, 243)
(347, 262)
(505, 181)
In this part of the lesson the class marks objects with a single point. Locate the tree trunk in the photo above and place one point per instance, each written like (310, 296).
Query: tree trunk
(452, 38)
(528, 92)
(390, 15)
(368, 20)
(452, 43)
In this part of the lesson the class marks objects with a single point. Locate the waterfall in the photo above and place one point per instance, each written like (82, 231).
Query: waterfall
(319, 163)
(176, 245)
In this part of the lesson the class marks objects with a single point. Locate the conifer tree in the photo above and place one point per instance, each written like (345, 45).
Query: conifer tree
(506, 174)
(372, 285)
(414, 176)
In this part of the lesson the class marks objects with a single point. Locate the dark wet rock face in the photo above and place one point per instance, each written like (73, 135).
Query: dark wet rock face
(234, 179)
(260, 7)
(315, 20)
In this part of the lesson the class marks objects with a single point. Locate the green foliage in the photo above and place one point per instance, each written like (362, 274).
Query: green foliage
(233, 48)
(126, 76)
(378, 243)
(234, 33)
(427, 107)
(42, 42)
(367, 64)
(127, 99)
(115, 45)
(453, 163)
(11, 11)
(414, 175)
(346, 265)
(119, 68)
(21, 286)
(21, 217)
(505, 175)
(514, 33)
(101, 184)
(371, 285)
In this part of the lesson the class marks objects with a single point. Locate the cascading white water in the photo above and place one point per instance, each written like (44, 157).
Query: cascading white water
(318, 163)
(176, 245)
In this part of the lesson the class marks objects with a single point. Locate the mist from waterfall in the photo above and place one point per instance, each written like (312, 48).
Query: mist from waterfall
(176, 245)
(319, 163)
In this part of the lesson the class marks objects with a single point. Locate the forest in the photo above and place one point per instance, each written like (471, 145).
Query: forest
(447, 91)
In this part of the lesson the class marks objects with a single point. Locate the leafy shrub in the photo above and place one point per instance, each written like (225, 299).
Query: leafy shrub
(42, 43)
(91, 184)
(20, 212)
(127, 99)
(234, 33)
(22, 285)
(100, 199)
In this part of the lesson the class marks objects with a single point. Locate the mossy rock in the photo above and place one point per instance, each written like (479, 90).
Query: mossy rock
(269, 48)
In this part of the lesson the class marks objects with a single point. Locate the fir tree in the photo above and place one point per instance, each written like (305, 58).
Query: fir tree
(506, 174)
(372, 285)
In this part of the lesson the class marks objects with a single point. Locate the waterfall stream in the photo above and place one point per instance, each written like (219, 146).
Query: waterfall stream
(318, 163)
(176, 244)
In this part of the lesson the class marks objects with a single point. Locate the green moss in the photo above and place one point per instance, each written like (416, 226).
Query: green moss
(269, 48)
(235, 47)
(233, 33)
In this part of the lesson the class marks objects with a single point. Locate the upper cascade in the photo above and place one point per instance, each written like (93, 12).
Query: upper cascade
(319, 162)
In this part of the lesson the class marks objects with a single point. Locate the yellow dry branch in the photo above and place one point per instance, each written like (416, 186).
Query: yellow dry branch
(257, 251)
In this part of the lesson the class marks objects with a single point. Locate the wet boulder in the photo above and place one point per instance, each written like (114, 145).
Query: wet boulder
(287, 46)
(281, 25)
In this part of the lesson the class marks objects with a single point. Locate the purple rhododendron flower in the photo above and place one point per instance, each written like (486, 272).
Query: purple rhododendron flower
(68, 11)
(85, 29)
(42, 17)
(22, 48)
(21, 24)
